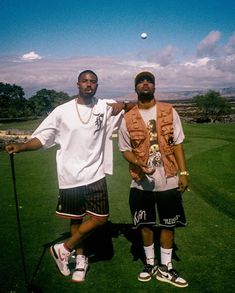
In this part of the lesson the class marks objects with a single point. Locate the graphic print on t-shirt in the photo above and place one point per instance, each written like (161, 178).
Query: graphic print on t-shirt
(154, 153)
(98, 121)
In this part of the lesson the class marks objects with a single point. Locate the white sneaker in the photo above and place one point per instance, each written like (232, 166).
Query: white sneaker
(148, 272)
(61, 256)
(80, 270)
(169, 275)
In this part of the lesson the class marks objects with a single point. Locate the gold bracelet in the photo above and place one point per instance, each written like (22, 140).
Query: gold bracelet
(184, 173)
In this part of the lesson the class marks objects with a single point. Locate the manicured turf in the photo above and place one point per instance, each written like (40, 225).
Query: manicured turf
(205, 247)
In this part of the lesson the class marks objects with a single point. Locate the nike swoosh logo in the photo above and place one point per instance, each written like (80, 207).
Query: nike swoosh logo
(164, 274)
(61, 258)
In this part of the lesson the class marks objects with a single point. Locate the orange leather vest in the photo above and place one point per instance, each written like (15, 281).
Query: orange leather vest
(140, 140)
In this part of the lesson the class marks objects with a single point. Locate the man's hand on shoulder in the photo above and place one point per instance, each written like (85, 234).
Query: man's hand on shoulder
(119, 106)
(116, 107)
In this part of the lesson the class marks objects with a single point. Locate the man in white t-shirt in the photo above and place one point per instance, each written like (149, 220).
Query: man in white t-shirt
(150, 139)
(81, 129)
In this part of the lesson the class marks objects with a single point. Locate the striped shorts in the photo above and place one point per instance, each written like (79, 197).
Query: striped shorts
(75, 203)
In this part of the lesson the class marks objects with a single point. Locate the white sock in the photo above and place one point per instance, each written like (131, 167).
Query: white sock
(149, 253)
(166, 256)
(80, 257)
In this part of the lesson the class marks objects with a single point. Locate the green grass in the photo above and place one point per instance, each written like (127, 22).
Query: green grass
(205, 246)
(210, 153)
(23, 125)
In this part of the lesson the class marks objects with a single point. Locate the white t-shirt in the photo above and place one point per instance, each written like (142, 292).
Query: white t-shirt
(157, 181)
(84, 151)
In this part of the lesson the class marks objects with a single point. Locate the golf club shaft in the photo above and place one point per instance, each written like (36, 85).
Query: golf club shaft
(18, 216)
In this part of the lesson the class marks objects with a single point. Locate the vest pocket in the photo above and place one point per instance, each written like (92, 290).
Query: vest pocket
(137, 137)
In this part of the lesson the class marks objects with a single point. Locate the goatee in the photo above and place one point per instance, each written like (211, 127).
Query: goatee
(145, 97)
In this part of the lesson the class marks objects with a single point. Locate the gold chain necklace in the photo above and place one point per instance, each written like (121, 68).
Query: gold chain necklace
(79, 116)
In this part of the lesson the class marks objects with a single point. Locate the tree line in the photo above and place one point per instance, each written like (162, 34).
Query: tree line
(212, 106)
(13, 105)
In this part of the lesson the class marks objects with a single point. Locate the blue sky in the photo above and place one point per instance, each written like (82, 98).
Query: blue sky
(45, 44)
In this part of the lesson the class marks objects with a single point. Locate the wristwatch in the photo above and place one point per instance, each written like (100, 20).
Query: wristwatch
(184, 173)
(125, 105)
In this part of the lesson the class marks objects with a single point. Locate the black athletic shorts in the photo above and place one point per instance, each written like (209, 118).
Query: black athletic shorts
(168, 204)
(90, 199)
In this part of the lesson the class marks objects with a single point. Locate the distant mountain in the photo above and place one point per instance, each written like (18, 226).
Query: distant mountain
(180, 95)
(230, 91)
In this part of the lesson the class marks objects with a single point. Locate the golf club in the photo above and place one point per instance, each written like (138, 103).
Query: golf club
(30, 287)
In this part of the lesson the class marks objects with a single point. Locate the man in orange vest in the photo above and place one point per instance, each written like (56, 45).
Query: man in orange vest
(150, 139)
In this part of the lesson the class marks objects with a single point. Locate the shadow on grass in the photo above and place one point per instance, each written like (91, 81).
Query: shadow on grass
(99, 245)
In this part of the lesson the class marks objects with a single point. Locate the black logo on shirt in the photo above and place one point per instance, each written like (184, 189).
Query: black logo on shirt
(98, 121)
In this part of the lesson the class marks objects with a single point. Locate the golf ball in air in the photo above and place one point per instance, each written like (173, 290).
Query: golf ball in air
(144, 36)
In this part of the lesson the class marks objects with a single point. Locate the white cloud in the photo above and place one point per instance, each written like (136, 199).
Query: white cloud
(139, 64)
(162, 57)
(230, 46)
(166, 55)
(209, 45)
(226, 64)
(116, 76)
(198, 62)
(31, 56)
